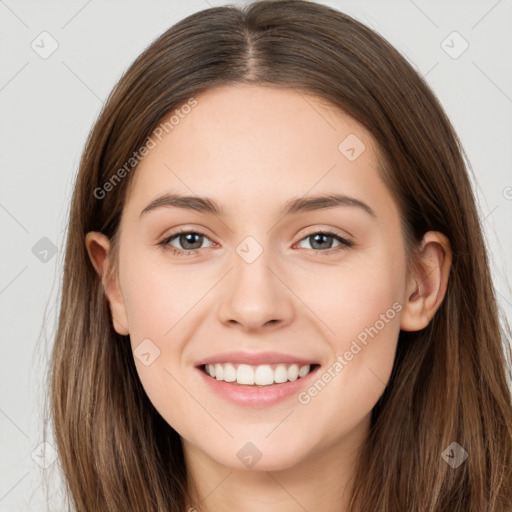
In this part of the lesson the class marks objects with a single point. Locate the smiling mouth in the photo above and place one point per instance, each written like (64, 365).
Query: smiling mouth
(257, 375)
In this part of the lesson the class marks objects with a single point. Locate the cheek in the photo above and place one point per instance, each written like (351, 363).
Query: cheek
(359, 306)
(350, 297)
(157, 296)
(157, 301)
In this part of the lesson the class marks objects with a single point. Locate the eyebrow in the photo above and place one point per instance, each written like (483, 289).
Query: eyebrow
(294, 205)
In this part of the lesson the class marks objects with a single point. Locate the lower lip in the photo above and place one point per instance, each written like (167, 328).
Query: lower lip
(257, 396)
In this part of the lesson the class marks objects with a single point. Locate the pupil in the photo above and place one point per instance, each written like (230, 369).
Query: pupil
(316, 240)
(188, 239)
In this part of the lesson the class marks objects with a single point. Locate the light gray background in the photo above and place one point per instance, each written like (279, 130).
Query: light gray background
(49, 105)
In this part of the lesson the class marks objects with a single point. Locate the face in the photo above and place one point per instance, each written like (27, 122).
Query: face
(271, 280)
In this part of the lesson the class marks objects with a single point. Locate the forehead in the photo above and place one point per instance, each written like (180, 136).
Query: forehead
(254, 145)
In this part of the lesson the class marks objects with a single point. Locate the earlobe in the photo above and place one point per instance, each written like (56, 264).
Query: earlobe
(427, 284)
(98, 248)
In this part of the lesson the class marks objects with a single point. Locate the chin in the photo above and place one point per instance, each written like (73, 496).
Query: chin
(251, 457)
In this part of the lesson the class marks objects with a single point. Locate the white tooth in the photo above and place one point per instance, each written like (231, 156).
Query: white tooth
(245, 374)
(280, 374)
(264, 375)
(293, 372)
(219, 372)
(304, 370)
(229, 372)
(210, 370)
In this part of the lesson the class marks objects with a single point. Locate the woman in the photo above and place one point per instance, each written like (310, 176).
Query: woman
(212, 353)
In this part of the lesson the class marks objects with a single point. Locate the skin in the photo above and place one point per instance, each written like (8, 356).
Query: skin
(251, 149)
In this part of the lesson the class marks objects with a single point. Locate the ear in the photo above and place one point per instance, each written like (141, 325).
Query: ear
(426, 284)
(98, 247)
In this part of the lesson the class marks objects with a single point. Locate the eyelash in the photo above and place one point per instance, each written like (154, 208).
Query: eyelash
(344, 243)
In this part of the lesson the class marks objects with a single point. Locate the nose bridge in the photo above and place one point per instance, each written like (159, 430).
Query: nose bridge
(255, 296)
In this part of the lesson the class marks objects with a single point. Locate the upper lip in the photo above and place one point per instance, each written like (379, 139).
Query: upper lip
(253, 358)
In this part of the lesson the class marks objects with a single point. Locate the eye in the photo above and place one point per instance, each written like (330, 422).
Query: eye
(188, 241)
(321, 241)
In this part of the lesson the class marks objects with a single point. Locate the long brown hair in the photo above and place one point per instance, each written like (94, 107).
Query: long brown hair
(450, 381)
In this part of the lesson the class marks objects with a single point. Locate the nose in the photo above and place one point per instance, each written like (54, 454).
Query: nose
(256, 297)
